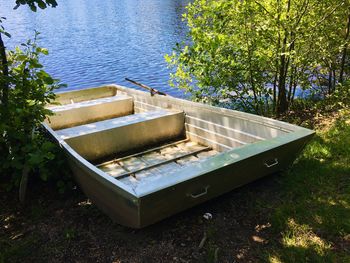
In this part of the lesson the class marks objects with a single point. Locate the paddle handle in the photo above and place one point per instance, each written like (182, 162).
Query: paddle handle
(152, 90)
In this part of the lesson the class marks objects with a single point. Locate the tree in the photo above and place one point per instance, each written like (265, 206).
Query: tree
(258, 53)
(25, 90)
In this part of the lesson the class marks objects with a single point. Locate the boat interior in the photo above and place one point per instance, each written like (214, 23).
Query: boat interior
(134, 139)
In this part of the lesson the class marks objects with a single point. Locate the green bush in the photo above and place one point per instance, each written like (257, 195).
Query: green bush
(26, 90)
(340, 98)
(337, 100)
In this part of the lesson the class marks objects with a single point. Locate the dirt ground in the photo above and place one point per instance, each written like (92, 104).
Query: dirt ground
(68, 228)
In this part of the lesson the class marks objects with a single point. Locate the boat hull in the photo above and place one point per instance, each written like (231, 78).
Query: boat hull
(119, 206)
(164, 203)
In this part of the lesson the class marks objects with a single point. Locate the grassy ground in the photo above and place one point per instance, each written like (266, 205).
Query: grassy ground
(312, 218)
(302, 215)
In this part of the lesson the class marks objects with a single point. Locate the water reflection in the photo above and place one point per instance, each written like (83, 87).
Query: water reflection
(96, 42)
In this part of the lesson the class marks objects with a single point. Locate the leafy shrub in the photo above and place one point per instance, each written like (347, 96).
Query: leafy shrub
(340, 98)
(23, 147)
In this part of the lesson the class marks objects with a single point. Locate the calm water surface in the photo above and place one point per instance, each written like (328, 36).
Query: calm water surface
(96, 42)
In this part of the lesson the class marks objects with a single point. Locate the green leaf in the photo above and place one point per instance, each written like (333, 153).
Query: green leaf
(41, 4)
(33, 7)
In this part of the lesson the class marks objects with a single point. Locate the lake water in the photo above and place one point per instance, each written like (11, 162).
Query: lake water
(94, 42)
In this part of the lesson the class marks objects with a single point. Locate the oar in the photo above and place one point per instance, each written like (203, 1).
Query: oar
(152, 90)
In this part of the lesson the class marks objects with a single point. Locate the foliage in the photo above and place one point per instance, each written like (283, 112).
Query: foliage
(340, 98)
(311, 111)
(258, 54)
(23, 147)
(25, 90)
(33, 4)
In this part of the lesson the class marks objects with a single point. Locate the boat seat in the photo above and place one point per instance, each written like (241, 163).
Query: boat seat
(74, 114)
(101, 139)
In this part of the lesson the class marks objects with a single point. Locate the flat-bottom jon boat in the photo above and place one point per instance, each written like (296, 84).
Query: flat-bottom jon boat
(142, 158)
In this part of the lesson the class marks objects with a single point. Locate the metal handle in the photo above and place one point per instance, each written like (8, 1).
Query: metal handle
(269, 165)
(200, 194)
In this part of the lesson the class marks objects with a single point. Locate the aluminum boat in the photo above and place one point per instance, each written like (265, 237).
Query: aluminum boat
(142, 157)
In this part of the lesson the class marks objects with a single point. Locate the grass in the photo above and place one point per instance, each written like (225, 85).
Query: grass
(302, 215)
(312, 222)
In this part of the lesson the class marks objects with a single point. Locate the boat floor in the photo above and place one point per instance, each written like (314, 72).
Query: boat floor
(155, 163)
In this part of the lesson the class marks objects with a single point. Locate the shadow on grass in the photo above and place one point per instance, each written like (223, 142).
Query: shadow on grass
(313, 220)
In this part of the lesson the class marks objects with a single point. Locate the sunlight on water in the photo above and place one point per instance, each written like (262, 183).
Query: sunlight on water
(98, 42)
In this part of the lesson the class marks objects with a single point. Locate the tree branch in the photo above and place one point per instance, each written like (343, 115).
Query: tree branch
(4, 85)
